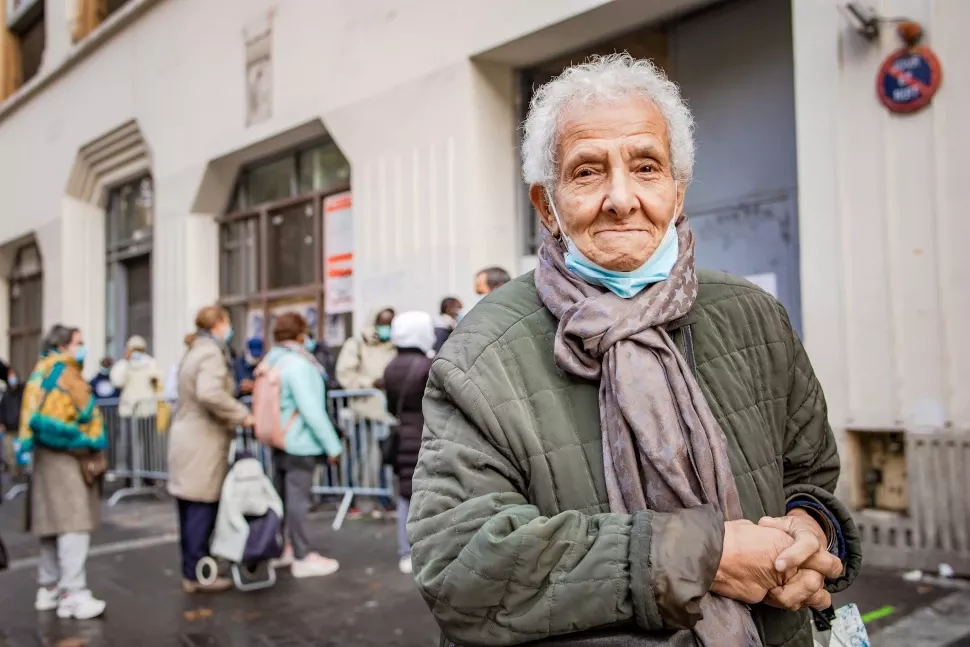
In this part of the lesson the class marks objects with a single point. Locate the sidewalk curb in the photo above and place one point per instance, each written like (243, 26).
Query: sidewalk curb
(106, 549)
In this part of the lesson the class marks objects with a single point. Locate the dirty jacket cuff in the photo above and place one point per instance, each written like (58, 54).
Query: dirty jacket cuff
(673, 561)
(836, 510)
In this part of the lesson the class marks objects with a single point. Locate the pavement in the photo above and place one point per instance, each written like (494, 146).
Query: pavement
(134, 567)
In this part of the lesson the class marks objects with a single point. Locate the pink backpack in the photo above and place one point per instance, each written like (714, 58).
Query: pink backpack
(267, 392)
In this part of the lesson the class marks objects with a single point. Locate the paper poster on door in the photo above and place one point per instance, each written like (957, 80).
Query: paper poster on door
(339, 253)
(767, 281)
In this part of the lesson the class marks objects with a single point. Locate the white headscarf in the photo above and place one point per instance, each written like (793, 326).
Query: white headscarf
(413, 330)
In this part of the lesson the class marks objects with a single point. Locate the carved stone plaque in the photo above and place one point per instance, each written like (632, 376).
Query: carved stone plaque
(259, 70)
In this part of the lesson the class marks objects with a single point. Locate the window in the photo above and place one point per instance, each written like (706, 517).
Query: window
(271, 256)
(129, 219)
(89, 14)
(22, 42)
(26, 309)
(114, 5)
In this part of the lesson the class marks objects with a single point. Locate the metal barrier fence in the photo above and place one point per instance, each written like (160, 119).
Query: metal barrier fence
(138, 453)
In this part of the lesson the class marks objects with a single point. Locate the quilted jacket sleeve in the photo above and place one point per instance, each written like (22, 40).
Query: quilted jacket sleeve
(494, 571)
(811, 456)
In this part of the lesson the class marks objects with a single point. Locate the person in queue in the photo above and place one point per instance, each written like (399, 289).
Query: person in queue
(362, 360)
(101, 383)
(360, 365)
(309, 438)
(489, 280)
(413, 335)
(11, 401)
(203, 427)
(61, 428)
(138, 379)
(620, 446)
(446, 321)
(245, 366)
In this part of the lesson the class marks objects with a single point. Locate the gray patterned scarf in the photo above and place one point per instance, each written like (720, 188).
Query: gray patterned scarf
(663, 450)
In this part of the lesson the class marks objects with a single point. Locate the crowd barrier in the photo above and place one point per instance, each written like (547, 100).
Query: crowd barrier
(138, 454)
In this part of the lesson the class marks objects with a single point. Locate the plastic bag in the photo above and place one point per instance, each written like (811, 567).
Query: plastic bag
(847, 630)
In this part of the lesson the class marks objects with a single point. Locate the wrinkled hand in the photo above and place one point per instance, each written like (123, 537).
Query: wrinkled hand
(747, 569)
(249, 421)
(809, 555)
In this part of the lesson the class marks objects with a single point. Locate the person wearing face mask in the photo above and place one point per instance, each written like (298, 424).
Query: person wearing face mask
(598, 438)
(406, 376)
(446, 321)
(10, 403)
(309, 438)
(62, 430)
(203, 427)
(361, 364)
(139, 381)
(245, 365)
(101, 383)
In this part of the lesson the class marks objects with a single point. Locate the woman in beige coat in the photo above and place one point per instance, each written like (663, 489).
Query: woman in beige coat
(202, 431)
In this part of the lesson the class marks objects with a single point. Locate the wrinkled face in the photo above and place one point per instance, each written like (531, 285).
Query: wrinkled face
(615, 190)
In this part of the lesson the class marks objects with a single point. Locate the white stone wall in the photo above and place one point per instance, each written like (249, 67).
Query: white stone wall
(882, 205)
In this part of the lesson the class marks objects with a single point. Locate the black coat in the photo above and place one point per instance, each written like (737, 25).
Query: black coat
(10, 403)
(322, 353)
(405, 395)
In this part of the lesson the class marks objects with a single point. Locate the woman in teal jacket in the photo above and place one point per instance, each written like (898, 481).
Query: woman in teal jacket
(309, 437)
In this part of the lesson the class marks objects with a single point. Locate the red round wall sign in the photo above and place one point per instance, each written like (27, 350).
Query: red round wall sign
(908, 79)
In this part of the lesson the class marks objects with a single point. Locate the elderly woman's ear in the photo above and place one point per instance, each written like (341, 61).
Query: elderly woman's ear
(540, 196)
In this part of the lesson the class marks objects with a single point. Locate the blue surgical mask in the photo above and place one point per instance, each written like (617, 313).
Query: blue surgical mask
(80, 353)
(309, 344)
(383, 333)
(137, 355)
(12, 381)
(623, 284)
(228, 336)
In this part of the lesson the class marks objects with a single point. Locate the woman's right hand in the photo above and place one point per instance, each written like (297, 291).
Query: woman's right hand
(747, 570)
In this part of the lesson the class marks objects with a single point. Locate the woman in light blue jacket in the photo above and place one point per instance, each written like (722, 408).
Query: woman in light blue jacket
(309, 438)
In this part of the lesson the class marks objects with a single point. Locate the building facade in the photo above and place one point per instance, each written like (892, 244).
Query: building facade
(159, 155)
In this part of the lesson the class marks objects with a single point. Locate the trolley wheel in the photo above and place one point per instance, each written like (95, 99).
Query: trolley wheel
(251, 571)
(206, 571)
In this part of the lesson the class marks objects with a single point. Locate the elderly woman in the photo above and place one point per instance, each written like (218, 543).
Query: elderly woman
(602, 435)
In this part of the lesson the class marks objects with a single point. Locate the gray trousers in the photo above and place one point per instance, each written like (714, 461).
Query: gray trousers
(62, 560)
(294, 478)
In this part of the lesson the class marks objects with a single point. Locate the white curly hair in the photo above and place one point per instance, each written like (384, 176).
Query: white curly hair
(604, 78)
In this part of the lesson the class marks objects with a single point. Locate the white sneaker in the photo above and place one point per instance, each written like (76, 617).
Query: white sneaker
(405, 565)
(314, 565)
(46, 599)
(80, 605)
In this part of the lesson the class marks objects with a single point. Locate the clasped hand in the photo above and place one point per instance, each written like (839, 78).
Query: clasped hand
(781, 561)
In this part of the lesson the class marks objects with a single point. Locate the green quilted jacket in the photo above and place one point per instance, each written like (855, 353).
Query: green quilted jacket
(513, 538)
